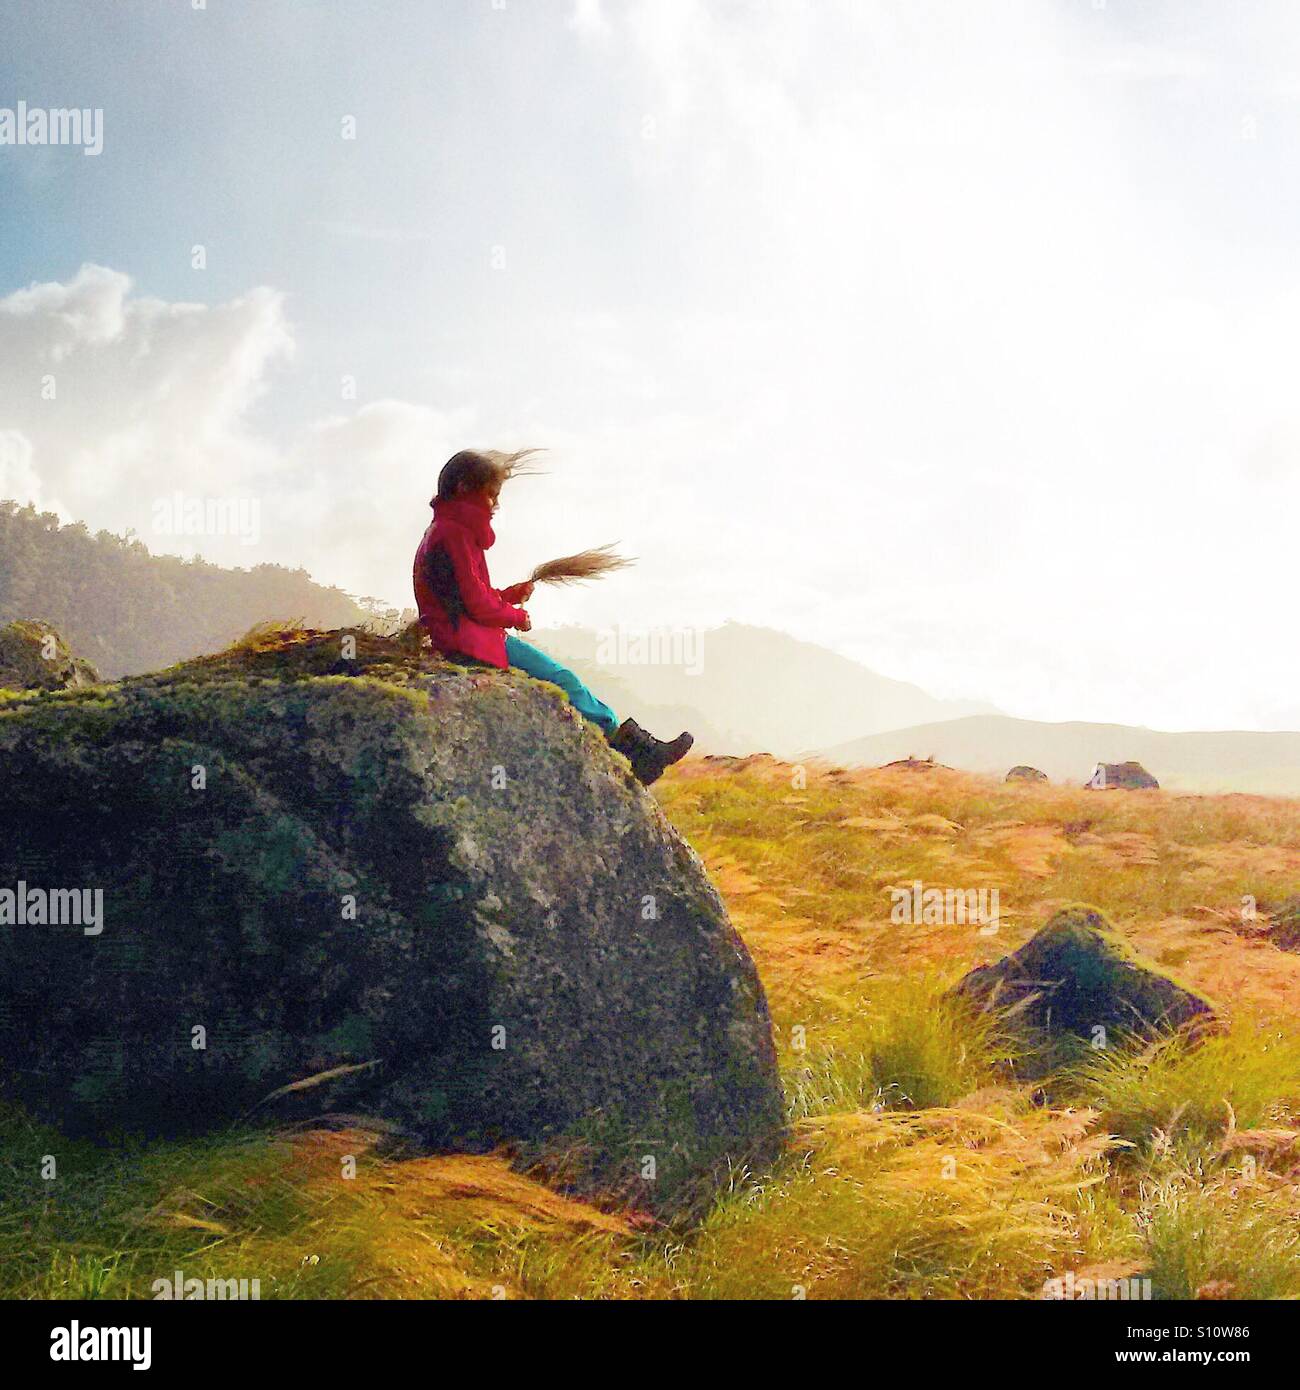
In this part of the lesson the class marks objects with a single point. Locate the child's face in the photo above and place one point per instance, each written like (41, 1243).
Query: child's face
(492, 493)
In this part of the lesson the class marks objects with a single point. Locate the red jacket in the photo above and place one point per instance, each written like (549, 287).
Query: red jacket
(468, 617)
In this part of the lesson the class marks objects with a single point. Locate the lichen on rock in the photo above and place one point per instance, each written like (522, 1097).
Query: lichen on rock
(1129, 776)
(33, 656)
(320, 854)
(1077, 984)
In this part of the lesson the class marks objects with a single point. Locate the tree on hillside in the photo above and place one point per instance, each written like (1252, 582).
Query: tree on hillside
(128, 611)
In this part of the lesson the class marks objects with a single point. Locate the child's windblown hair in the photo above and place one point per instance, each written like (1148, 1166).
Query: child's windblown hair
(471, 470)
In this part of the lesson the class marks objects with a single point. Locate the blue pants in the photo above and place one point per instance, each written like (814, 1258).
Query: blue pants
(535, 663)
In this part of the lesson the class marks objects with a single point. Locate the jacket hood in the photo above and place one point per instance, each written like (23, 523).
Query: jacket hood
(471, 512)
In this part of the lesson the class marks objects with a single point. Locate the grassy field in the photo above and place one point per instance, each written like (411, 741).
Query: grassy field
(916, 1167)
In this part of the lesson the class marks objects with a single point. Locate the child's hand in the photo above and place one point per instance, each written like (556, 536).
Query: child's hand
(518, 593)
(527, 624)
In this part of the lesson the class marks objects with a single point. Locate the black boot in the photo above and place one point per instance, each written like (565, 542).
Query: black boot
(648, 755)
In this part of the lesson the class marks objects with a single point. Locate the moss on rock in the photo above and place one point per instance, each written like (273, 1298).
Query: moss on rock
(1077, 984)
(320, 850)
(34, 657)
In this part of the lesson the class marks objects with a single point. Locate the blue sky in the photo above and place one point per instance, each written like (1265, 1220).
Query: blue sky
(961, 338)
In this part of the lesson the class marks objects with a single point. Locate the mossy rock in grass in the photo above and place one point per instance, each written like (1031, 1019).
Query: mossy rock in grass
(34, 657)
(312, 863)
(1077, 976)
(1284, 925)
(1130, 776)
(1022, 772)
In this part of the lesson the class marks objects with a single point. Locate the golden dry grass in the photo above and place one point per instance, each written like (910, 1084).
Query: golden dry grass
(915, 1168)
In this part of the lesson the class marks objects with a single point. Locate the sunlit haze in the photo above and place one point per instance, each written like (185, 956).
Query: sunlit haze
(958, 338)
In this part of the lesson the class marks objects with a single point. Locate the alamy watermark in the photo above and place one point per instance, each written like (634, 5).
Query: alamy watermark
(77, 1343)
(1075, 1288)
(655, 646)
(22, 906)
(184, 515)
(63, 125)
(228, 1290)
(918, 906)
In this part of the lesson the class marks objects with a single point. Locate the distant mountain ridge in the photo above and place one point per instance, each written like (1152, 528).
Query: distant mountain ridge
(1243, 760)
(745, 689)
(740, 689)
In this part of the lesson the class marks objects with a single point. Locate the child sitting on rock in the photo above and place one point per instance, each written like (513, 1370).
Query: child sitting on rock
(466, 618)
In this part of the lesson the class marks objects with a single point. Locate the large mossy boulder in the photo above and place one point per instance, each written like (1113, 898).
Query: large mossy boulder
(314, 859)
(34, 657)
(1076, 984)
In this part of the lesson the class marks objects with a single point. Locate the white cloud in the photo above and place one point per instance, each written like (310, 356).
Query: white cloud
(1153, 63)
(922, 233)
(120, 396)
(354, 494)
(589, 19)
(151, 398)
(19, 479)
(908, 328)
